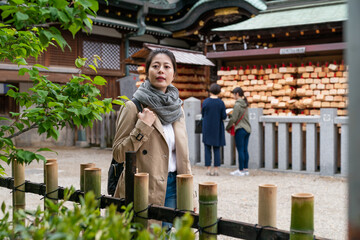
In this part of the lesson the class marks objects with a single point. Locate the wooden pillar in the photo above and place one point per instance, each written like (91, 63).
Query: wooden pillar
(184, 192)
(141, 198)
(83, 166)
(208, 210)
(19, 185)
(52, 181)
(48, 160)
(267, 205)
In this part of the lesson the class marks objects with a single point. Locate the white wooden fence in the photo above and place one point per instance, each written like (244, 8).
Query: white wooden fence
(102, 133)
(306, 144)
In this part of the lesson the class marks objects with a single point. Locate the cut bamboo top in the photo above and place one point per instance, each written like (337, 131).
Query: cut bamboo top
(303, 195)
(268, 186)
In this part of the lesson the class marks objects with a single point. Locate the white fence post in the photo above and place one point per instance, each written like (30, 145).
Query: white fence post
(192, 107)
(297, 147)
(344, 144)
(256, 138)
(283, 146)
(311, 149)
(328, 141)
(269, 145)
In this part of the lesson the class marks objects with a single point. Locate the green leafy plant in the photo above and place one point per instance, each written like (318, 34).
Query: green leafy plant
(85, 221)
(28, 28)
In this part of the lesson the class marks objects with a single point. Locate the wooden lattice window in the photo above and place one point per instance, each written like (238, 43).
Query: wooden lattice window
(57, 57)
(133, 48)
(108, 52)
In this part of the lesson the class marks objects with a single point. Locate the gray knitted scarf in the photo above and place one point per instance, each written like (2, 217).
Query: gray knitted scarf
(167, 105)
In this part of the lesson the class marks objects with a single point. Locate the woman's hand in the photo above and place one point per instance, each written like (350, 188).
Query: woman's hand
(147, 116)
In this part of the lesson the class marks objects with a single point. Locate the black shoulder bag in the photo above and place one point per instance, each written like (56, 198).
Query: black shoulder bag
(116, 168)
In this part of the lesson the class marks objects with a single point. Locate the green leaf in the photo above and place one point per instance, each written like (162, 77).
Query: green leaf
(98, 80)
(45, 150)
(11, 93)
(63, 17)
(41, 66)
(94, 5)
(3, 207)
(97, 57)
(62, 98)
(124, 97)
(21, 16)
(48, 34)
(18, 2)
(74, 110)
(80, 62)
(42, 93)
(85, 111)
(20, 61)
(88, 22)
(20, 126)
(118, 102)
(55, 104)
(22, 71)
(60, 4)
(74, 28)
(4, 119)
(93, 68)
(27, 156)
(41, 157)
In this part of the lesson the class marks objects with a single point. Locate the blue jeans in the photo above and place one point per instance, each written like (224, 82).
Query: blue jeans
(208, 155)
(242, 141)
(170, 197)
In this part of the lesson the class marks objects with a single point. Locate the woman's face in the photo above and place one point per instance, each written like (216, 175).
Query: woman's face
(161, 72)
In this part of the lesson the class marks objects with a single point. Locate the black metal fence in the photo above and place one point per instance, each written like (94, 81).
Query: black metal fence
(226, 227)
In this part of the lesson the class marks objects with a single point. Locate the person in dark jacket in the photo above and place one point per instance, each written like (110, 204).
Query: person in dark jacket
(213, 113)
(242, 130)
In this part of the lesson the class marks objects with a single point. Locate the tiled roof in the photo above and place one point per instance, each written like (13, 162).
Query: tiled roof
(305, 15)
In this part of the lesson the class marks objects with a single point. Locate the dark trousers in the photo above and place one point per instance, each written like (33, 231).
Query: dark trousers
(170, 197)
(208, 155)
(242, 141)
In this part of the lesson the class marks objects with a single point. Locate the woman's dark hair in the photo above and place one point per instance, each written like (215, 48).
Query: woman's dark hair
(215, 89)
(160, 51)
(239, 91)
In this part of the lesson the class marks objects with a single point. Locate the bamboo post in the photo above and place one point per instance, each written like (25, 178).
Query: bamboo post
(208, 210)
(48, 160)
(52, 181)
(302, 216)
(267, 205)
(184, 192)
(92, 181)
(19, 185)
(141, 197)
(82, 168)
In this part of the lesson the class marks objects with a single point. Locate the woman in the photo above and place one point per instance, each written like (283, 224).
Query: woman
(213, 114)
(242, 131)
(157, 134)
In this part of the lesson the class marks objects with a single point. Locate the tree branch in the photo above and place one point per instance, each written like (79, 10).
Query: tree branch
(23, 131)
(43, 25)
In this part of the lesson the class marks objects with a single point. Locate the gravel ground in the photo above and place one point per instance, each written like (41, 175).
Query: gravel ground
(237, 196)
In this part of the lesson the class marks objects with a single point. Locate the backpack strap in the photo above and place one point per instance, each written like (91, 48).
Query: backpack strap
(138, 104)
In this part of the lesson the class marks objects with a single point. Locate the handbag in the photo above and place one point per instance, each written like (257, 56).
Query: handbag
(232, 129)
(116, 168)
(198, 126)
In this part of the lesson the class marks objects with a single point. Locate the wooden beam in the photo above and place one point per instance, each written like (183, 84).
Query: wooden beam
(276, 51)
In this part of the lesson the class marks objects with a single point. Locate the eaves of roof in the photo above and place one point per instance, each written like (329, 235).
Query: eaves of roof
(202, 6)
(120, 24)
(306, 15)
(183, 56)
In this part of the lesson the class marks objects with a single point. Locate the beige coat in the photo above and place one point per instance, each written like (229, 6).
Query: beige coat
(152, 153)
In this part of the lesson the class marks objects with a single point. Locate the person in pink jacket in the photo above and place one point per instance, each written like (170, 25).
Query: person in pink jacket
(158, 133)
